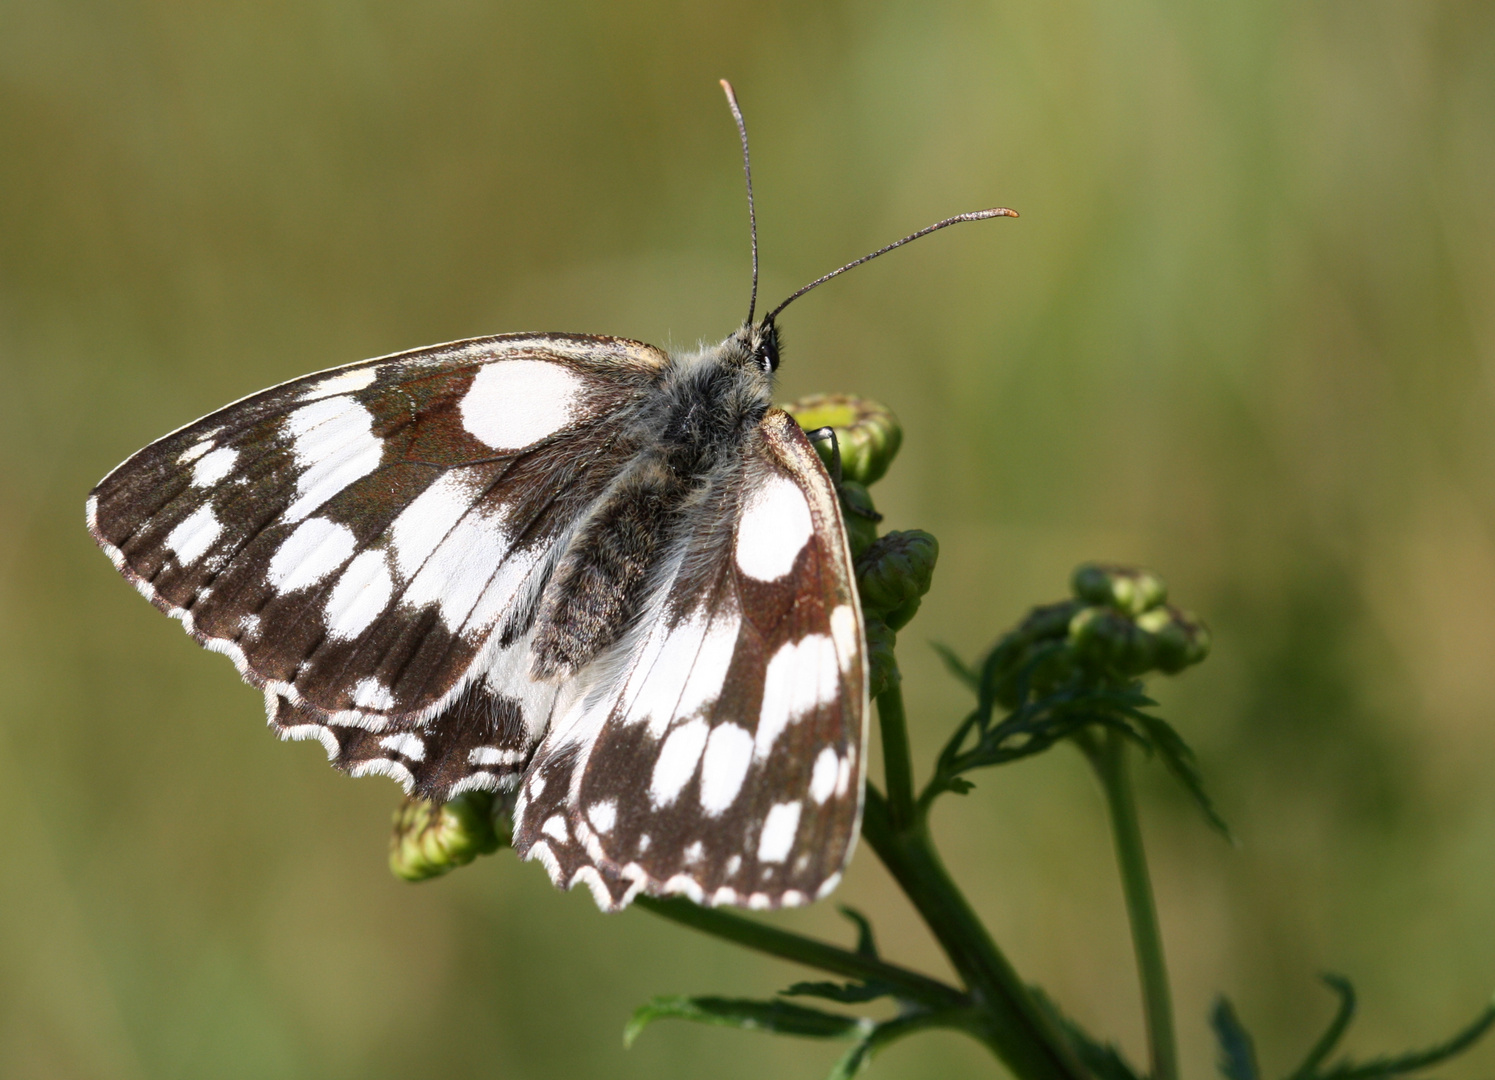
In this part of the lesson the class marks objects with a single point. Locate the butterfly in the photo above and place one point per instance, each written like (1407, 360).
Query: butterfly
(608, 581)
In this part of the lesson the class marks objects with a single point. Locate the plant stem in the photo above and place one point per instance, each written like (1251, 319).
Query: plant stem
(817, 954)
(1016, 1028)
(897, 762)
(1109, 754)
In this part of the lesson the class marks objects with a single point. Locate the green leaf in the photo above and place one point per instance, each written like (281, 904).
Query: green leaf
(1417, 1060)
(1180, 761)
(845, 993)
(1334, 1032)
(956, 666)
(853, 1061)
(889, 1031)
(776, 1016)
(1237, 1053)
(1102, 1059)
(866, 943)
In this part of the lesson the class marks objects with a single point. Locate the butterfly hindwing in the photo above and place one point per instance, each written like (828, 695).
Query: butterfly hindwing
(364, 542)
(719, 753)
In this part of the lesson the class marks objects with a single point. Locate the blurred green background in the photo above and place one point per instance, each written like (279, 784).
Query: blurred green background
(1243, 334)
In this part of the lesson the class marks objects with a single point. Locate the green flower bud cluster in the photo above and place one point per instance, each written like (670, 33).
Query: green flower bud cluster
(893, 574)
(867, 433)
(430, 839)
(1118, 626)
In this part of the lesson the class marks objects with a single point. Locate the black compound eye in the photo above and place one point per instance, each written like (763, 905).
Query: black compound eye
(767, 352)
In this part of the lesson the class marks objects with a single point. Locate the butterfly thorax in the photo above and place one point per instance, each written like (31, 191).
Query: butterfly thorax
(692, 437)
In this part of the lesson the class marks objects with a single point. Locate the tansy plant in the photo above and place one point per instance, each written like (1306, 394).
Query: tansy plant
(1071, 671)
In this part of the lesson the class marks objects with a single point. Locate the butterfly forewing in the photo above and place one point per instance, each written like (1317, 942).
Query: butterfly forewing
(365, 542)
(719, 754)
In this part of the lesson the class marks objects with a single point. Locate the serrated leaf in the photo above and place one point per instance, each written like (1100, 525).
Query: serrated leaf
(1417, 1060)
(866, 943)
(845, 993)
(956, 666)
(1102, 1059)
(1334, 1032)
(777, 1016)
(1179, 760)
(1237, 1052)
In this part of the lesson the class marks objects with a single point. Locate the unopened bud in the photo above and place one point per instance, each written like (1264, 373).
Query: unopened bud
(867, 433)
(1128, 589)
(894, 573)
(430, 839)
(1105, 638)
(1180, 639)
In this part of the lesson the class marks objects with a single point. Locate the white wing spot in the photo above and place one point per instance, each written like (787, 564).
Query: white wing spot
(845, 634)
(823, 778)
(346, 382)
(359, 596)
(457, 572)
(734, 864)
(194, 534)
(709, 670)
(423, 524)
(643, 843)
(195, 451)
(775, 525)
(214, 467)
(335, 445)
(729, 752)
(492, 755)
(677, 762)
(406, 745)
(314, 550)
(662, 670)
(778, 832)
(555, 828)
(515, 403)
(603, 815)
(694, 853)
(802, 676)
(843, 776)
(370, 693)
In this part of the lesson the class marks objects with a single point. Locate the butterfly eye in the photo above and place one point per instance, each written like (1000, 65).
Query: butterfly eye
(766, 353)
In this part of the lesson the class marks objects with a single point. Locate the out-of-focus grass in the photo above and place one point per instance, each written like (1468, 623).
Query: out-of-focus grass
(1243, 333)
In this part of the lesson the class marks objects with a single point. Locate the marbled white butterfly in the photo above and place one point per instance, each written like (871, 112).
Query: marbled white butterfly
(610, 581)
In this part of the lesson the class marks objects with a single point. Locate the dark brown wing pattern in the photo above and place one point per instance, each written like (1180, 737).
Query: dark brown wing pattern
(365, 543)
(719, 753)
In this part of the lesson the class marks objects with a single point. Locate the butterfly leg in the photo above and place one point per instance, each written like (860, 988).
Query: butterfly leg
(821, 435)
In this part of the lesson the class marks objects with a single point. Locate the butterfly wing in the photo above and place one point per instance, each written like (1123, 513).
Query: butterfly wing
(366, 543)
(718, 753)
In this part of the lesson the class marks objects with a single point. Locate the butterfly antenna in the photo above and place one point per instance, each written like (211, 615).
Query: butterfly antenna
(974, 215)
(747, 169)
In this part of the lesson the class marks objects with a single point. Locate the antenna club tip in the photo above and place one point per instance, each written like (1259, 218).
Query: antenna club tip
(999, 211)
(727, 88)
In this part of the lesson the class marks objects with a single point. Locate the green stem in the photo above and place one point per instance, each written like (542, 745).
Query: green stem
(1016, 1028)
(897, 762)
(1109, 755)
(817, 954)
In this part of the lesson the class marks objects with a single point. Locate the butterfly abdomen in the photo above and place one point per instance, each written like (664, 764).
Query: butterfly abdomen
(604, 577)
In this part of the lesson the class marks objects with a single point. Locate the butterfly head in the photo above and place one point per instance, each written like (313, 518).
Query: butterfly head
(763, 346)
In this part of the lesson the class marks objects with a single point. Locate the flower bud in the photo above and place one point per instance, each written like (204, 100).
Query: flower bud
(1128, 589)
(868, 433)
(1105, 638)
(430, 839)
(894, 573)
(1180, 638)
